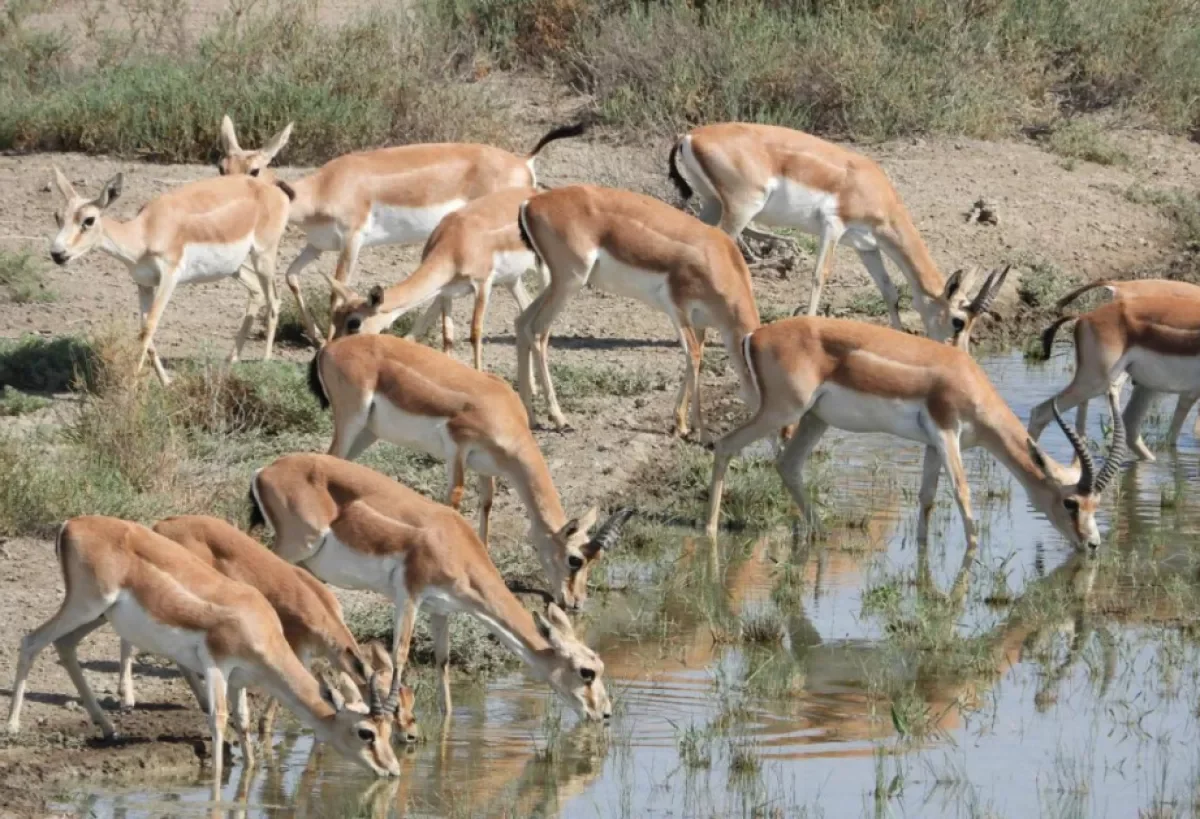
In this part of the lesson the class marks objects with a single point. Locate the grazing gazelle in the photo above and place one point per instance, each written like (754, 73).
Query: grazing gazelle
(981, 304)
(386, 196)
(634, 246)
(383, 387)
(358, 529)
(820, 372)
(165, 600)
(777, 176)
(1143, 393)
(472, 250)
(309, 611)
(199, 232)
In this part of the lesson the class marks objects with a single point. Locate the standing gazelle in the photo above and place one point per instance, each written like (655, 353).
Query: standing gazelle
(403, 392)
(472, 250)
(386, 196)
(819, 372)
(634, 246)
(199, 232)
(1141, 396)
(1153, 337)
(358, 529)
(777, 176)
(163, 599)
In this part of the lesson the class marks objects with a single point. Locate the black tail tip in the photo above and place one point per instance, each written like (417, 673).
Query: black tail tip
(257, 519)
(575, 129)
(681, 184)
(314, 382)
(288, 190)
(525, 238)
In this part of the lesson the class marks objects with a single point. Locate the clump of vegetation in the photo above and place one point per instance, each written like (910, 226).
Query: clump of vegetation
(21, 276)
(575, 382)
(36, 364)
(14, 402)
(382, 78)
(868, 301)
(763, 627)
(264, 397)
(1042, 284)
(1182, 208)
(695, 747)
(1082, 139)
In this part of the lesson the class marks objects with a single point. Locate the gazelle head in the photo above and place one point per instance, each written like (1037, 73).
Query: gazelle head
(234, 160)
(404, 721)
(572, 669)
(576, 550)
(362, 734)
(963, 316)
(79, 222)
(355, 315)
(1071, 505)
(947, 315)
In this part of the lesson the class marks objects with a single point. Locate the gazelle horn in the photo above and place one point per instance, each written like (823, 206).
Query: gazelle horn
(987, 294)
(606, 536)
(1116, 452)
(375, 696)
(1087, 468)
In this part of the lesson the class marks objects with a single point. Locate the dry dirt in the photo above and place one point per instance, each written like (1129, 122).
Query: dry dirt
(1076, 219)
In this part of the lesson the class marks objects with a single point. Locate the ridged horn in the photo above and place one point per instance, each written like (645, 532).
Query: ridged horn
(1087, 468)
(987, 294)
(1116, 452)
(375, 696)
(606, 536)
(392, 704)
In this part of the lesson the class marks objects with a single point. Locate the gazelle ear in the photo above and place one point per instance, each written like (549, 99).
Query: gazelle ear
(229, 143)
(343, 292)
(111, 192)
(375, 297)
(332, 696)
(559, 619)
(277, 142)
(953, 284)
(1039, 457)
(580, 524)
(543, 626)
(64, 185)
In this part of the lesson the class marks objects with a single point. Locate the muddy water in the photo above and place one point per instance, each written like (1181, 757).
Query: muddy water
(1053, 685)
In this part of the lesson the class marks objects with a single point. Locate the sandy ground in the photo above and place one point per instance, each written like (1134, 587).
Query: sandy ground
(1077, 219)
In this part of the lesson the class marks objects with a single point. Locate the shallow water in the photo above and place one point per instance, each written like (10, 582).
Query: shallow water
(1065, 686)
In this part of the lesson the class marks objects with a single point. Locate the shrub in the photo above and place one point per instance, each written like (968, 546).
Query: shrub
(36, 364)
(14, 402)
(21, 276)
(263, 397)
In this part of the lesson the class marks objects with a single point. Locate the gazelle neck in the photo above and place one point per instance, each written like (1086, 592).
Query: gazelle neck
(434, 272)
(292, 684)
(922, 269)
(532, 482)
(490, 601)
(123, 240)
(1007, 440)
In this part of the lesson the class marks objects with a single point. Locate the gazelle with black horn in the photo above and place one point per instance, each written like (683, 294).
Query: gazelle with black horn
(199, 232)
(778, 176)
(383, 387)
(472, 250)
(979, 306)
(358, 529)
(385, 196)
(1106, 329)
(163, 599)
(819, 372)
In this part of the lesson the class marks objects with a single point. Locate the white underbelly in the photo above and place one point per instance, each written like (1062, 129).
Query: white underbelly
(855, 411)
(791, 204)
(131, 621)
(1164, 373)
(616, 277)
(340, 565)
(509, 266)
(212, 262)
(390, 225)
(426, 433)
(326, 235)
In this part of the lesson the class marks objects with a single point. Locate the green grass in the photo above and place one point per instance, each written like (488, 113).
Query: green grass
(36, 364)
(868, 301)
(573, 383)
(261, 397)
(1081, 139)
(14, 402)
(1042, 284)
(21, 277)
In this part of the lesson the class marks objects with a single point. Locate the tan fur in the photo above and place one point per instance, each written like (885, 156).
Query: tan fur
(795, 361)
(737, 163)
(155, 242)
(701, 279)
(104, 558)
(483, 416)
(459, 255)
(305, 497)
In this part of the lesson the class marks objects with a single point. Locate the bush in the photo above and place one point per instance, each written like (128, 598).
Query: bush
(36, 364)
(21, 276)
(262, 397)
(14, 402)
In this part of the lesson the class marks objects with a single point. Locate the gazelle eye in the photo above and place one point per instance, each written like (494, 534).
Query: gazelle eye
(366, 735)
(254, 171)
(588, 674)
(353, 325)
(958, 324)
(1071, 504)
(88, 222)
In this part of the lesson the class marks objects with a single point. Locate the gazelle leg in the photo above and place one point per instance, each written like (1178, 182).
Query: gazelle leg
(456, 467)
(351, 431)
(66, 646)
(517, 288)
(534, 329)
(197, 685)
(307, 256)
(948, 447)
(872, 259)
(266, 723)
(145, 301)
(439, 628)
(524, 342)
(72, 616)
(241, 722)
(162, 295)
(422, 325)
(128, 701)
(689, 389)
(447, 325)
(486, 489)
(406, 621)
(482, 293)
(831, 234)
(264, 267)
(254, 303)
(791, 465)
(1140, 401)
(218, 715)
(760, 425)
(1094, 374)
(1183, 406)
(344, 272)
(931, 470)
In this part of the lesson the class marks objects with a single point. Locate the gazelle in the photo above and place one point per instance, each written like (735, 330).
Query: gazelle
(386, 387)
(472, 250)
(199, 232)
(819, 372)
(634, 246)
(386, 196)
(1142, 395)
(310, 613)
(980, 305)
(777, 176)
(163, 599)
(358, 529)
